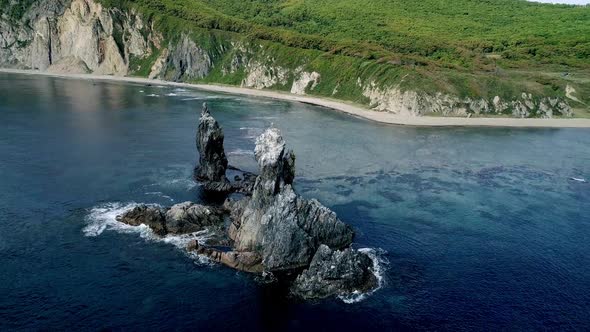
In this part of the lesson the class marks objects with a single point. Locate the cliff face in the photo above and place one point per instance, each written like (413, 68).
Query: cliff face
(412, 103)
(75, 36)
(82, 36)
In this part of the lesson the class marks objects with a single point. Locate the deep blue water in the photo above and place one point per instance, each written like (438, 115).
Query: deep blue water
(483, 228)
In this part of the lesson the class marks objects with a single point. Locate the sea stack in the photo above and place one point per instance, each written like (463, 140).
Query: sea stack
(273, 230)
(276, 231)
(275, 222)
(212, 160)
(335, 272)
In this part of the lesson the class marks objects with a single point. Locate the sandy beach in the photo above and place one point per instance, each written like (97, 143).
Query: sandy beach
(354, 110)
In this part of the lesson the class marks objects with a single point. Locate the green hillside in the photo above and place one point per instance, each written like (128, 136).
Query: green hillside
(473, 34)
(464, 54)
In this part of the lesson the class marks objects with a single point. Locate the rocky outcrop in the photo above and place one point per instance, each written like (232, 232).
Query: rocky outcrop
(188, 61)
(74, 36)
(157, 69)
(69, 65)
(181, 218)
(273, 230)
(212, 160)
(276, 224)
(243, 261)
(304, 81)
(334, 272)
(276, 231)
(152, 216)
(261, 76)
(569, 93)
(212, 169)
(189, 218)
(413, 103)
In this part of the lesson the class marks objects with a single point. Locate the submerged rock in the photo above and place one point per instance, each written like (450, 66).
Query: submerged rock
(334, 272)
(212, 160)
(181, 218)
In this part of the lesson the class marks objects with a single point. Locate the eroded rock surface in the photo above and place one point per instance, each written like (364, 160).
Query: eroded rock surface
(334, 272)
(181, 218)
(212, 159)
(188, 218)
(244, 260)
(276, 223)
(188, 61)
(152, 216)
(273, 230)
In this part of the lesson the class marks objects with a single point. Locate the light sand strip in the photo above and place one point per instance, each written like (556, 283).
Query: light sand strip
(355, 110)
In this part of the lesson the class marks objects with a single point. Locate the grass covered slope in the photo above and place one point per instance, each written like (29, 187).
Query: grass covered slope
(474, 34)
(466, 49)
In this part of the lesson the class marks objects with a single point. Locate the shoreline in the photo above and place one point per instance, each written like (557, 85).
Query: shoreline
(343, 107)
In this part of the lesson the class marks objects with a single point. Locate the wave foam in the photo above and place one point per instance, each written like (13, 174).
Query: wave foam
(103, 217)
(380, 264)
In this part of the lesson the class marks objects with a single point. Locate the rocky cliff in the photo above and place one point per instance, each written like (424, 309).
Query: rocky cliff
(74, 37)
(84, 36)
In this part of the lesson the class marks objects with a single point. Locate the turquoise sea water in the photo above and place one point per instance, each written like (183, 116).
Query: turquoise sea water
(483, 229)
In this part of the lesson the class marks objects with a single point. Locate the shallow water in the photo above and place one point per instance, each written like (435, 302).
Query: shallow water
(482, 228)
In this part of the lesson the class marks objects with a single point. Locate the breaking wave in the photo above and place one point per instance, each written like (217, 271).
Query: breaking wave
(103, 218)
(380, 264)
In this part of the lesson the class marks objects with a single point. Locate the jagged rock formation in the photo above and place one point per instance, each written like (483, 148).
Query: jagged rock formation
(188, 61)
(413, 103)
(243, 261)
(152, 216)
(305, 81)
(75, 36)
(275, 230)
(272, 230)
(189, 218)
(212, 159)
(334, 272)
(179, 219)
(82, 36)
(276, 225)
(213, 164)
